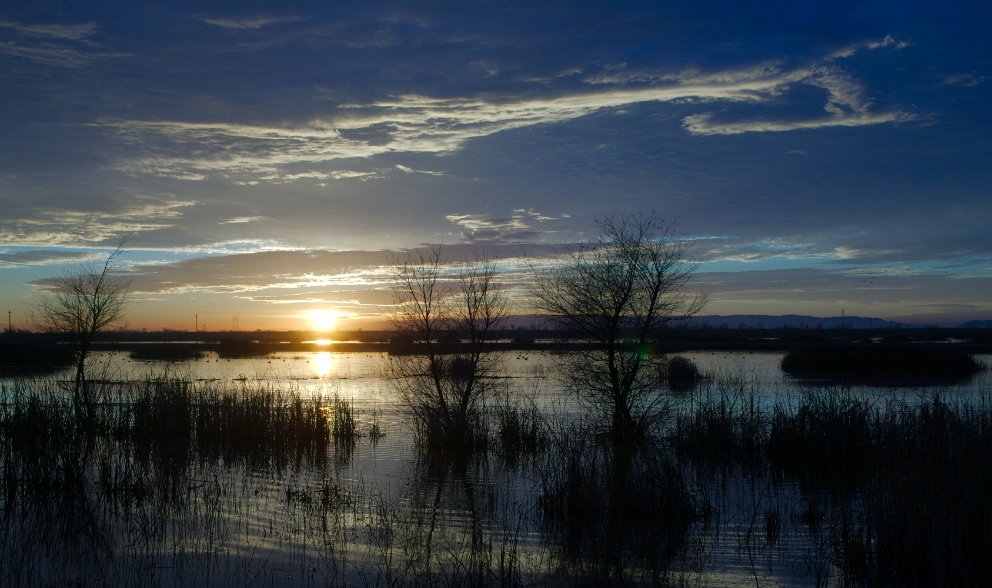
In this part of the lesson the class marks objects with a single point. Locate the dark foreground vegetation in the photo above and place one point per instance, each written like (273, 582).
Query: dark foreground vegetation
(181, 482)
(909, 481)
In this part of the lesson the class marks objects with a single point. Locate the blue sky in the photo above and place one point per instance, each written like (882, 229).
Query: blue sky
(267, 159)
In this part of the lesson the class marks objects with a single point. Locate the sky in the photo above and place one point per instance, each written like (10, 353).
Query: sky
(265, 160)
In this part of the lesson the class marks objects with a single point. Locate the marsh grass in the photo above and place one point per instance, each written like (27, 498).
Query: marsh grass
(918, 474)
(521, 428)
(721, 423)
(345, 427)
(194, 484)
(616, 514)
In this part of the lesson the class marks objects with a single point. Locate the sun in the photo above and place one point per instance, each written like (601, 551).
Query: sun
(322, 319)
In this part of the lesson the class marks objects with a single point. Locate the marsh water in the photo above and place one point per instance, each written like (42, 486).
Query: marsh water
(378, 511)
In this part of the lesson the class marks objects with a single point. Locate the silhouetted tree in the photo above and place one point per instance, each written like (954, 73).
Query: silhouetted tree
(449, 318)
(76, 306)
(619, 292)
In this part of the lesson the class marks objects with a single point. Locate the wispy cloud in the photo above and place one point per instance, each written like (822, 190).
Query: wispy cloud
(410, 170)
(50, 227)
(67, 32)
(237, 220)
(58, 45)
(363, 280)
(519, 226)
(246, 23)
(888, 41)
(705, 124)
(846, 103)
(48, 54)
(424, 124)
(25, 257)
(968, 79)
(406, 124)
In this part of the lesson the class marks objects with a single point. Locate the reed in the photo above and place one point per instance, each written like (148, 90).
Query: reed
(616, 513)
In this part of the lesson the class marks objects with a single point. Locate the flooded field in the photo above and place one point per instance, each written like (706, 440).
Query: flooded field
(716, 498)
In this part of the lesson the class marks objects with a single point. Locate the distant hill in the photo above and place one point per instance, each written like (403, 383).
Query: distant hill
(751, 321)
(976, 325)
(792, 321)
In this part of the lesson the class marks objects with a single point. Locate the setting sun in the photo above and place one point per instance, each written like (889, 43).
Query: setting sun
(322, 319)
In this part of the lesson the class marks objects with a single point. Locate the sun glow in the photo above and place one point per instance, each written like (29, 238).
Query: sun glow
(322, 319)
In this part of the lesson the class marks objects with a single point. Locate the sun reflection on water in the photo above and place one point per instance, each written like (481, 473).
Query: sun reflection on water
(323, 364)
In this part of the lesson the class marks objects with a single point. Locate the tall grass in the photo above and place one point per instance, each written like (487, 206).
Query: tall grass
(922, 470)
(616, 514)
(723, 422)
(520, 430)
(186, 483)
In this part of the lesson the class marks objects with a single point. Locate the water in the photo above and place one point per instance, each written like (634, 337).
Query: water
(382, 511)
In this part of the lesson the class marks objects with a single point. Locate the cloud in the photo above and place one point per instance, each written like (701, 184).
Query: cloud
(47, 54)
(320, 177)
(246, 23)
(243, 219)
(59, 45)
(71, 32)
(410, 170)
(704, 124)
(846, 103)
(405, 124)
(888, 41)
(518, 227)
(412, 123)
(54, 227)
(364, 280)
(24, 257)
(965, 79)
(307, 270)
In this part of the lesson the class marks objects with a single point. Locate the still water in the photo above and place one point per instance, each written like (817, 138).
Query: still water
(379, 512)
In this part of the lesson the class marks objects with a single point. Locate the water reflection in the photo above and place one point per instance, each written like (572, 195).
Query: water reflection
(323, 364)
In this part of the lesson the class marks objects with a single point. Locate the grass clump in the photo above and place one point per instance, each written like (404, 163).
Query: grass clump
(932, 524)
(919, 476)
(520, 430)
(831, 436)
(723, 424)
(682, 374)
(616, 513)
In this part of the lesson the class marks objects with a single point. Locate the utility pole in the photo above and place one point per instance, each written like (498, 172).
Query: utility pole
(196, 323)
(10, 328)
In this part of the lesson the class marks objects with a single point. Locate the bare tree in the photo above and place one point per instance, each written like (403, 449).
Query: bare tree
(76, 306)
(448, 319)
(619, 293)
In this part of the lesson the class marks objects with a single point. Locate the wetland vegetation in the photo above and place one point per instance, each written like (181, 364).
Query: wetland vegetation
(207, 480)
